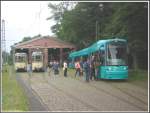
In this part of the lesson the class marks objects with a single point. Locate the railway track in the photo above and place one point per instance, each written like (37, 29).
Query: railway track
(45, 80)
(129, 94)
(73, 97)
(120, 98)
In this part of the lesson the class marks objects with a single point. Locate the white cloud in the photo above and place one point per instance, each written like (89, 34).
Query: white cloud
(22, 19)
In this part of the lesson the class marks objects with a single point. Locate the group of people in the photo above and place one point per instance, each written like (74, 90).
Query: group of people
(55, 67)
(89, 66)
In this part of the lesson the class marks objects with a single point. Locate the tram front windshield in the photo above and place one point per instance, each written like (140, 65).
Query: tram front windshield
(20, 58)
(37, 58)
(116, 53)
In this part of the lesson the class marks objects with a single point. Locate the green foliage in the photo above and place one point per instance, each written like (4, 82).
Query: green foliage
(29, 38)
(13, 97)
(138, 75)
(10, 59)
(26, 39)
(5, 57)
(58, 12)
(139, 78)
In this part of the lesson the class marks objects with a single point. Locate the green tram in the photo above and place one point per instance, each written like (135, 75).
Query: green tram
(112, 56)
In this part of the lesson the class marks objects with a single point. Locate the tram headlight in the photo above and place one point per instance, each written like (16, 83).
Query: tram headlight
(109, 68)
(125, 68)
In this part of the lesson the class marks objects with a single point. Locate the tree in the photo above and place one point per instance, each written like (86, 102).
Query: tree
(130, 22)
(58, 11)
(79, 23)
(5, 55)
(26, 39)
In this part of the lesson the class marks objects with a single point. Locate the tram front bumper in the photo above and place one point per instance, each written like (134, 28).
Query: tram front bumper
(111, 72)
(116, 74)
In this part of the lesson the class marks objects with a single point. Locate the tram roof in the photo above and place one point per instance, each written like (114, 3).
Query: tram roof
(94, 47)
(20, 54)
(36, 53)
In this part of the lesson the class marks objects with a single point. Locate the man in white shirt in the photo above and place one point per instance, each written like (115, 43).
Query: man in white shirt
(65, 68)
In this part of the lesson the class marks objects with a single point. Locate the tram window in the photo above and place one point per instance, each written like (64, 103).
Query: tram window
(116, 54)
(20, 58)
(36, 58)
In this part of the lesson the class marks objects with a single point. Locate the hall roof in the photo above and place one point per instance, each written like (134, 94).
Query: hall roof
(44, 42)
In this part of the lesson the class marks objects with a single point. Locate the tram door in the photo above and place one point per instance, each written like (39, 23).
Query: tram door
(100, 60)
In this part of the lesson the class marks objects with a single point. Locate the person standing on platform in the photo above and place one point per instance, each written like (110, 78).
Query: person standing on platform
(55, 68)
(49, 69)
(92, 67)
(65, 68)
(86, 67)
(77, 66)
(81, 67)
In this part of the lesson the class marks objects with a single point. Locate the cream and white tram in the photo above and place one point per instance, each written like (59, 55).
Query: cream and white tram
(37, 61)
(20, 61)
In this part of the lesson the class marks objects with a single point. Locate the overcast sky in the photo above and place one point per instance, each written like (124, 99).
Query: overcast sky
(22, 19)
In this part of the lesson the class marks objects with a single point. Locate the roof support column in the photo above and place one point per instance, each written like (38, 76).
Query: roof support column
(45, 57)
(30, 56)
(61, 58)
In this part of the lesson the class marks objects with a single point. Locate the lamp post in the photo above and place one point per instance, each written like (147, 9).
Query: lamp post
(97, 22)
